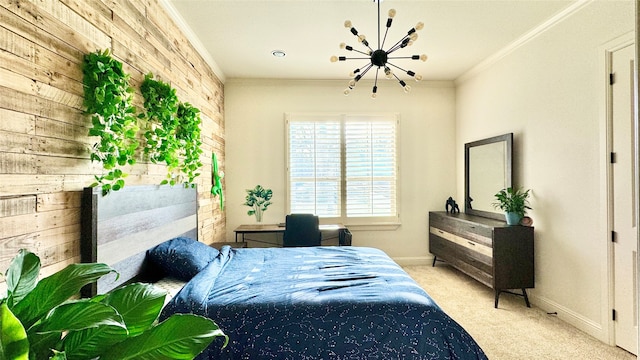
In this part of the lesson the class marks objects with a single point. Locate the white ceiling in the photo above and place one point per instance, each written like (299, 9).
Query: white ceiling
(239, 35)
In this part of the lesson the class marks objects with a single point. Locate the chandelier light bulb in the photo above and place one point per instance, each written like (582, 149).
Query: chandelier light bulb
(423, 57)
(374, 95)
(352, 74)
(388, 73)
(361, 38)
(413, 36)
(419, 26)
(392, 13)
(334, 58)
(418, 77)
(343, 45)
(348, 24)
(352, 84)
(346, 91)
(407, 89)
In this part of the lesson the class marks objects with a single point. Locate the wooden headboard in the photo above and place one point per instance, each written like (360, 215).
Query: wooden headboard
(117, 229)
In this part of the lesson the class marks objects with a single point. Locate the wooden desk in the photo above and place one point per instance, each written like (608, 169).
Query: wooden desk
(275, 229)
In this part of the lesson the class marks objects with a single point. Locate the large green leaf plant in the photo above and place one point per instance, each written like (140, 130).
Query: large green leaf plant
(42, 320)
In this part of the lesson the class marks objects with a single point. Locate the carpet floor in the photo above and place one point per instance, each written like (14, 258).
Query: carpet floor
(512, 331)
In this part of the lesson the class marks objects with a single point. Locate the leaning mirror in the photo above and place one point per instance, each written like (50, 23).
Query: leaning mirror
(487, 165)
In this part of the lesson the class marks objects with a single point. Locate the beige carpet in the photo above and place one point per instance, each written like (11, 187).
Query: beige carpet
(512, 331)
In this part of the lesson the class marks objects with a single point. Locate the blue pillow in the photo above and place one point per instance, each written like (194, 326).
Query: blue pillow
(182, 257)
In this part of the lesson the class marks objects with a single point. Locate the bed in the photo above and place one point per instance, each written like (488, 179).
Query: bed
(305, 303)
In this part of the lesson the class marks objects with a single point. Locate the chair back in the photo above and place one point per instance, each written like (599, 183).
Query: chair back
(301, 230)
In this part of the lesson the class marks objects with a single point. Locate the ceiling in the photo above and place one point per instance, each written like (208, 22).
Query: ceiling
(239, 35)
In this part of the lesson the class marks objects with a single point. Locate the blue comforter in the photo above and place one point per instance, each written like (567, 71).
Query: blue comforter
(319, 303)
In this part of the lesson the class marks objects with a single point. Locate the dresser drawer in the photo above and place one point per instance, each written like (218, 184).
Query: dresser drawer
(472, 231)
(450, 246)
(471, 244)
(470, 262)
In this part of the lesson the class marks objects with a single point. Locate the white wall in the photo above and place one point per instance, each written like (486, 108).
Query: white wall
(255, 144)
(549, 93)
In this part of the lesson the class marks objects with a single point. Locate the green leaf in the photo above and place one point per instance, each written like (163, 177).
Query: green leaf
(22, 276)
(57, 288)
(14, 344)
(182, 336)
(78, 315)
(95, 333)
(139, 304)
(40, 345)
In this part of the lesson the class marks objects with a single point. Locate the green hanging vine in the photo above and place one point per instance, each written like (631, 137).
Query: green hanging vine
(172, 132)
(188, 135)
(108, 98)
(172, 128)
(161, 105)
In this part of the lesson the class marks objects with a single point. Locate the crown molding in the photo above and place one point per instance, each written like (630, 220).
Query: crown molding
(193, 39)
(523, 40)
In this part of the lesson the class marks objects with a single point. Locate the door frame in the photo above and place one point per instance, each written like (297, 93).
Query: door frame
(607, 51)
(636, 121)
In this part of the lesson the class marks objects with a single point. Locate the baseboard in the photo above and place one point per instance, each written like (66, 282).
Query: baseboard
(413, 260)
(571, 317)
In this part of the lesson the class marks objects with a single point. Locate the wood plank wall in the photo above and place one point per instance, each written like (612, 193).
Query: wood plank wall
(44, 147)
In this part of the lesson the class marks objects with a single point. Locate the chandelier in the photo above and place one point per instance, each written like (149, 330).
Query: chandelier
(379, 58)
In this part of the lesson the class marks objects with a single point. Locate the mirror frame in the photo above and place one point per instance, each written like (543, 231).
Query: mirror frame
(508, 138)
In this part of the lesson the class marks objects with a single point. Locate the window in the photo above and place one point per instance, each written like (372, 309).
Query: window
(343, 167)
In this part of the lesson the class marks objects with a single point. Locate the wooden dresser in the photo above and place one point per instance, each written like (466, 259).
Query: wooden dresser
(490, 251)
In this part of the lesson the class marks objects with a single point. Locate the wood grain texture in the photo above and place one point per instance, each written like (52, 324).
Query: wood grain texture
(119, 228)
(503, 261)
(44, 146)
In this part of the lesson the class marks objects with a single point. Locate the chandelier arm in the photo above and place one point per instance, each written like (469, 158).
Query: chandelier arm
(401, 83)
(413, 57)
(397, 45)
(368, 67)
(376, 81)
(343, 58)
(365, 43)
(395, 76)
(385, 38)
(396, 66)
(360, 52)
(379, 46)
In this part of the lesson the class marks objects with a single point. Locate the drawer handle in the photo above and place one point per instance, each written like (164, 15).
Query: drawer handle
(471, 243)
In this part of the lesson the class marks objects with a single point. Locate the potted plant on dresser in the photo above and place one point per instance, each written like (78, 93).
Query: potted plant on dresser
(514, 203)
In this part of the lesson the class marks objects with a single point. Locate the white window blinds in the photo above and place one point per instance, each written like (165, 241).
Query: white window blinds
(370, 168)
(343, 166)
(314, 167)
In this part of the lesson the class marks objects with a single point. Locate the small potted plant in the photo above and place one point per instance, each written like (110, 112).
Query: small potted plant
(514, 202)
(258, 199)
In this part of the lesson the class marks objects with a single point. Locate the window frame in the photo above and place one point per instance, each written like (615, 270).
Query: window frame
(354, 223)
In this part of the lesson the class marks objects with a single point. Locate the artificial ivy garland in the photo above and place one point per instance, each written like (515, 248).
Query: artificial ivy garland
(161, 105)
(172, 128)
(108, 97)
(172, 132)
(188, 136)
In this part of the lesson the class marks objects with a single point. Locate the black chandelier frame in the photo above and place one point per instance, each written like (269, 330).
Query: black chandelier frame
(380, 58)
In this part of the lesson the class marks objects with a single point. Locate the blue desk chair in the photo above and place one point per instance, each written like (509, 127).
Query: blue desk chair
(301, 230)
